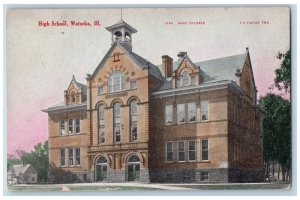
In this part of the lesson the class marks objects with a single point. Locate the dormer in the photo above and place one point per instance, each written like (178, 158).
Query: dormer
(75, 94)
(187, 73)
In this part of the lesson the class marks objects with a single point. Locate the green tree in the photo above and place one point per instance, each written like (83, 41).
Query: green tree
(283, 73)
(38, 158)
(277, 131)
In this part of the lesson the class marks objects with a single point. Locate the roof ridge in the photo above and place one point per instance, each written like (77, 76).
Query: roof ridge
(222, 57)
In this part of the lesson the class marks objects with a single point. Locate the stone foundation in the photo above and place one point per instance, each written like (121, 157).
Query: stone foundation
(219, 175)
(113, 176)
(188, 175)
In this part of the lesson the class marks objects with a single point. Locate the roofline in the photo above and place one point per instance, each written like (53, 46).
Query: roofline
(65, 108)
(117, 25)
(215, 85)
(128, 53)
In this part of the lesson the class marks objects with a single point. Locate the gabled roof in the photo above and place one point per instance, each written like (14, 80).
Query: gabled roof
(80, 85)
(20, 169)
(138, 60)
(121, 23)
(222, 68)
(215, 69)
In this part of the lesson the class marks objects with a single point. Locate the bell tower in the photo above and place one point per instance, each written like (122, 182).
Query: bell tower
(122, 32)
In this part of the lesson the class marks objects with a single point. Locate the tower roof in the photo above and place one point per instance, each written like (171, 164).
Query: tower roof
(119, 24)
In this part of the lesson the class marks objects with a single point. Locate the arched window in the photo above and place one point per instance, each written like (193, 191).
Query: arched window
(116, 122)
(101, 169)
(133, 158)
(101, 125)
(127, 36)
(117, 35)
(133, 168)
(133, 120)
(116, 82)
(185, 78)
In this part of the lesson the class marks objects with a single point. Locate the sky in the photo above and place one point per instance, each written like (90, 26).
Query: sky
(41, 60)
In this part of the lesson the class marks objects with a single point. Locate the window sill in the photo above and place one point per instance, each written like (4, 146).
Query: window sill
(168, 124)
(71, 166)
(191, 122)
(70, 134)
(169, 161)
(205, 161)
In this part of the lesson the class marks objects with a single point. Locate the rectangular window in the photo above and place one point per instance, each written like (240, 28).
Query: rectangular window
(132, 84)
(101, 135)
(62, 127)
(71, 157)
(180, 113)
(101, 126)
(62, 157)
(71, 127)
(77, 125)
(169, 151)
(204, 149)
(181, 153)
(204, 176)
(169, 114)
(193, 80)
(192, 150)
(133, 132)
(77, 153)
(204, 110)
(192, 112)
(178, 82)
(100, 90)
(117, 133)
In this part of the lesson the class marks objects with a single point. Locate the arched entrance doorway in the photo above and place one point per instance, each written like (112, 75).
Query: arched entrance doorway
(133, 168)
(101, 169)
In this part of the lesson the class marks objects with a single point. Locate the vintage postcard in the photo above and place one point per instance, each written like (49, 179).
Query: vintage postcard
(148, 99)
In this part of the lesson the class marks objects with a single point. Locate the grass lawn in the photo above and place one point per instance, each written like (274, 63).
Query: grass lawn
(80, 188)
(151, 187)
(245, 186)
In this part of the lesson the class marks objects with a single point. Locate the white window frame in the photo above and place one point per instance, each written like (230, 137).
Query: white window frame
(62, 131)
(188, 150)
(133, 120)
(60, 157)
(117, 124)
(101, 127)
(188, 79)
(188, 113)
(111, 85)
(76, 156)
(184, 113)
(202, 110)
(204, 150)
(74, 126)
(69, 157)
(132, 84)
(99, 89)
(172, 151)
(171, 115)
(73, 157)
(184, 160)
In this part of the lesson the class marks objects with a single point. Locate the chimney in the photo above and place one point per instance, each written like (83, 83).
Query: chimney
(167, 66)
